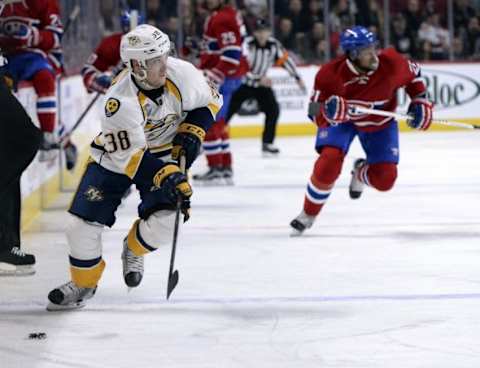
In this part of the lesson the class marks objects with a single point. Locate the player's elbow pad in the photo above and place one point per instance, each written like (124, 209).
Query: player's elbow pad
(203, 118)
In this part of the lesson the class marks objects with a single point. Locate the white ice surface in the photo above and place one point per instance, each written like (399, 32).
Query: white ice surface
(391, 280)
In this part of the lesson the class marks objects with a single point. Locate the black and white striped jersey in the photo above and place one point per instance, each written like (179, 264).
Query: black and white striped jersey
(260, 59)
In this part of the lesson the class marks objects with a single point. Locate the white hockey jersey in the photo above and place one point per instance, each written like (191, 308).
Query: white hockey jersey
(132, 122)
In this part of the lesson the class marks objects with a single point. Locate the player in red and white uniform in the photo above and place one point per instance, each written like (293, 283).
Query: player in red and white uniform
(222, 61)
(104, 63)
(367, 78)
(30, 35)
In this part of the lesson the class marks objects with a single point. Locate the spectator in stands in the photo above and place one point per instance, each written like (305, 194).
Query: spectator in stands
(285, 33)
(106, 11)
(473, 38)
(297, 16)
(314, 13)
(369, 14)
(402, 39)
(159, 11)
(462, 13)
(458, 46)
(413, 16)
(439, 39)
(343, 14)
(313, 46)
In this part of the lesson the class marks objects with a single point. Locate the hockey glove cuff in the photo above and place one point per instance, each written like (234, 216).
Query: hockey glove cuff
(421, 112)
(335, 110)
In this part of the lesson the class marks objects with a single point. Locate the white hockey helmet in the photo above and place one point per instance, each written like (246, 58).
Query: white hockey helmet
(143, 43)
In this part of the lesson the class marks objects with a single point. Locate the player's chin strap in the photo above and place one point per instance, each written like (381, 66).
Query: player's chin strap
(141, 75)
(355, 109)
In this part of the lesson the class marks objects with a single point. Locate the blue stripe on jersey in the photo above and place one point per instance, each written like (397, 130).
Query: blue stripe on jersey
(316, 195)
(233, 54)
(212, 45)
(46, 104)
(212, 147)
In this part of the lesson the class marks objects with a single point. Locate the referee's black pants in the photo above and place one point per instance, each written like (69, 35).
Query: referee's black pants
(19, 142)
(267, 103)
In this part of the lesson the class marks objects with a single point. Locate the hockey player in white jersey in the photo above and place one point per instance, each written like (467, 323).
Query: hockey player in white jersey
(158, 109)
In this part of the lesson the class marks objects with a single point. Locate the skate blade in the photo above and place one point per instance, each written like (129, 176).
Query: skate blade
(296, 233)
(270, 154)
(8, 270)
(52, 307)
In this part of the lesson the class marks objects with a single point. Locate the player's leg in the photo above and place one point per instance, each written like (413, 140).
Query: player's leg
(97, 197)
(333, 144)
(44, 84)
(13, 261)
(227, 89)
(217, 142)
(238, 98)
(153, 229)
(19, 142)
(212, 146)
(379, 169)
(269, 105)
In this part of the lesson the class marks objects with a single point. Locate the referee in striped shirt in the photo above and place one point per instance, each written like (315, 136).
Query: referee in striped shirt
(263, 51)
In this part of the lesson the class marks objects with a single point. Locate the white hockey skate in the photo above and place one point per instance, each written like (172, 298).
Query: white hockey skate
(132, 266)
(301, 223)
(69, 296)
(356, 186)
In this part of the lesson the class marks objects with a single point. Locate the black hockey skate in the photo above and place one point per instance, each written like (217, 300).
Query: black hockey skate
(356, 186)
(269, 150)
(16, 263)
(69, 296)
(301, 223)
(132, 266)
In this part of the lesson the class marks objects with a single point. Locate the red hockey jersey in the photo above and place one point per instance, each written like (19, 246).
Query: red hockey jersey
(43, 15)
(375, 90)
(105, 57)
(222, 43)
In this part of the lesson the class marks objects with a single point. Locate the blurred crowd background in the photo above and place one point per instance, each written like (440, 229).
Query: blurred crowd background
(310, 29)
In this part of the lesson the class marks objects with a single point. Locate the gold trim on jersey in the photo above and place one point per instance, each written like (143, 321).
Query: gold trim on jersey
(214, 109)
(122, 74)
(134, 163)
(162, 147)
(162, 174)
(192, 129)
(142, 99)
(173, 89)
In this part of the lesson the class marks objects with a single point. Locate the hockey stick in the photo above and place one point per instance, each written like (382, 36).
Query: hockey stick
(173, 275)
(71, 18)
(80, 119)
(363, 110)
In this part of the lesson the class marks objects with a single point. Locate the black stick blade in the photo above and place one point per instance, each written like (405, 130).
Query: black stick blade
(172, 282)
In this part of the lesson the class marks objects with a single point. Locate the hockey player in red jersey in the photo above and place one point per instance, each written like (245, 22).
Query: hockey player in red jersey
(222, 61)
(370, 79)
(104, 63)
(30, 35)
